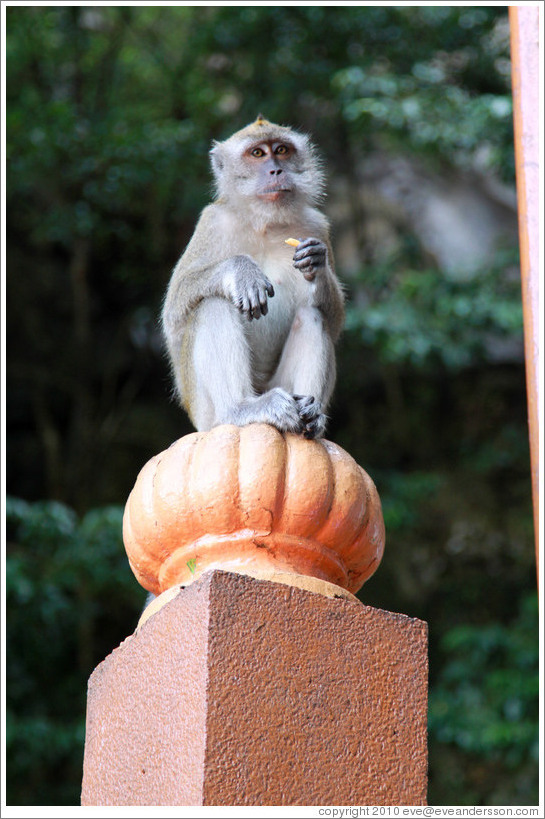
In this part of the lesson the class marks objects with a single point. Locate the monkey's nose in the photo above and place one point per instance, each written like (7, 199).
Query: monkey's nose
(275, 171)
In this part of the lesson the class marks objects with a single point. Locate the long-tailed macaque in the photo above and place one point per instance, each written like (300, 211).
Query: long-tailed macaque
(250, 323)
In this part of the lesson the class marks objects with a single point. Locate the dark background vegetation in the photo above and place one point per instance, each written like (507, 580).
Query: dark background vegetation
(110, 114)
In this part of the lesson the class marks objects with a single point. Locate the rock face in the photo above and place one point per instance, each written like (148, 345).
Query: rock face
(460, 219)
(253, 500)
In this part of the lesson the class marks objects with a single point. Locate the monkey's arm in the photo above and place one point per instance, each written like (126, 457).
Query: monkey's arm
(208, 268)
(314, 258)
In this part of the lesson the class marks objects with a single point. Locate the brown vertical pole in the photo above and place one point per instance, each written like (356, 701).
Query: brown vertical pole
(524, 23)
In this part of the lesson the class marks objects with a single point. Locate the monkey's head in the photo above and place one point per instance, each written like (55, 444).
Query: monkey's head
(272, 166)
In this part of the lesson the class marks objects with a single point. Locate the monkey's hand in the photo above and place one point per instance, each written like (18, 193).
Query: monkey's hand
(310, 255)
(246, 286)
(310, 413)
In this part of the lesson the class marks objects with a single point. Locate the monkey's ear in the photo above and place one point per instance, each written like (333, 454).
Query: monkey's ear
(215, 156)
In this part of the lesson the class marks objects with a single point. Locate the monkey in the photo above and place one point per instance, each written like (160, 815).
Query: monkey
(250, 324)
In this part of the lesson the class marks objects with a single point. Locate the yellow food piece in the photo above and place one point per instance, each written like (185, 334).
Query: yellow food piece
(292, 242)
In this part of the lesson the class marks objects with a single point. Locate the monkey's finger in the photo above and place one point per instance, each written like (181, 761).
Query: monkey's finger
(258, 301)
(304, 400)
(263, 304)
(245, 307)
(309, 409)
(316, 427)
(300, 264)
(304, 244)
(309, 264)
(270, 289)
(308, 267)
(308, 270)
(255, 307)
(309, 240)
(310, 245)
(311, 252)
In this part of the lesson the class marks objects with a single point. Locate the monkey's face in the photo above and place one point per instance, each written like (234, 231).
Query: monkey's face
(270, 166)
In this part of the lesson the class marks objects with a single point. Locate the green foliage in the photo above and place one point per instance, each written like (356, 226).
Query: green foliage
(485, 702)
(419, 111)
(423, 98)
(421, 316)
(67, 584)
(404, 496)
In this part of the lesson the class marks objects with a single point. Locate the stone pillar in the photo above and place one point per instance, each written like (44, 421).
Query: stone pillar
(241, 691)
(256, 677)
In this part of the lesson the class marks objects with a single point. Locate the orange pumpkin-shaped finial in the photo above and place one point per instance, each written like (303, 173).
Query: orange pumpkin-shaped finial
(251, 499)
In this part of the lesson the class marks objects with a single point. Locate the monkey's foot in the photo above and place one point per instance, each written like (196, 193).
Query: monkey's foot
(275, 407)
(313, 419)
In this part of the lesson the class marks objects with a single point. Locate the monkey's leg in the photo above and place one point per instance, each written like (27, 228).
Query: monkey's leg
(222, 369)
(307, 369)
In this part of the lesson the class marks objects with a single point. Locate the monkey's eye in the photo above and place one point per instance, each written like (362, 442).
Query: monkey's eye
(282, 149)
(258, 152)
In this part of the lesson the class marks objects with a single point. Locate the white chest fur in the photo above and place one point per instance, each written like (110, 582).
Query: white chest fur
(268, 334)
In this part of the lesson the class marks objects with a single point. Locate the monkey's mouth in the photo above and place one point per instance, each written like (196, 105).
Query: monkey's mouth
(274, 194)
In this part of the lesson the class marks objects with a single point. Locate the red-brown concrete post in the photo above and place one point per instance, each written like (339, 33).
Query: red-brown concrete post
(256, 677)
(246, 692)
